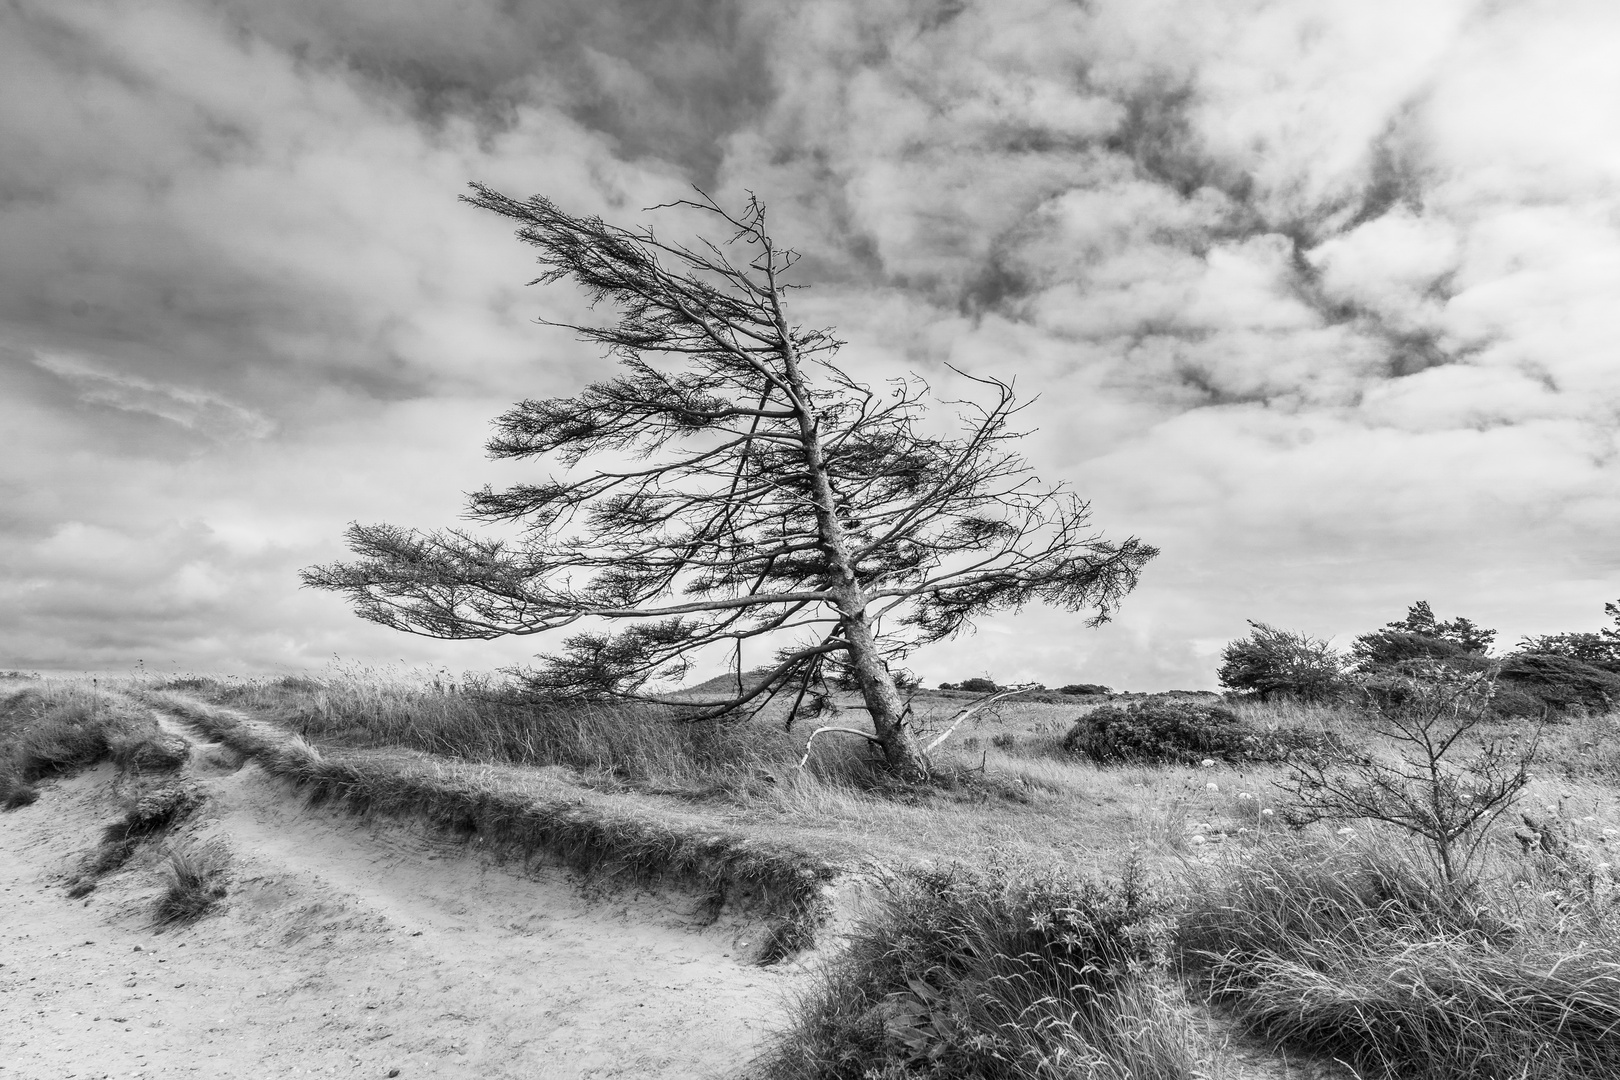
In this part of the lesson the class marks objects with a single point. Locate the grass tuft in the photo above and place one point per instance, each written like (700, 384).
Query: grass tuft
(194, 885)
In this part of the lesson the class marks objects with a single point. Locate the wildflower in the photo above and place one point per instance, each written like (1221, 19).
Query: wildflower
(1212, 786)
(1244, 796)
(1347, 831)
(1208, 763)
(1267, 812)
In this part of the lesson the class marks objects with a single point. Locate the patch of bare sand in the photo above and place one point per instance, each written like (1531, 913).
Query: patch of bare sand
(350, 949)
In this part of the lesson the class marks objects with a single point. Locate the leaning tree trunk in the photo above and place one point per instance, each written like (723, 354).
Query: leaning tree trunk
(900, 750)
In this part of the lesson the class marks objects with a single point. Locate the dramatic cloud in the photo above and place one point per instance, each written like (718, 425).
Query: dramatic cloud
(1319, 297)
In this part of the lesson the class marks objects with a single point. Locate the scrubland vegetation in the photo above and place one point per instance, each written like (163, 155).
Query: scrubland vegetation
(1397, 870)
(56, 727)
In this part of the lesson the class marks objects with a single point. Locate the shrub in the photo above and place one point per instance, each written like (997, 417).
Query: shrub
(1272, 662)
(1007, 973)
(1561, 683)
(1595, 649)
(1432, 792)
(1600, 649)
(1085, 689)
(1287, 744)
(1157, 731)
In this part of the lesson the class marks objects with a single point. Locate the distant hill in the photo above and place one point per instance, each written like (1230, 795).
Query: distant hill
(723, 685)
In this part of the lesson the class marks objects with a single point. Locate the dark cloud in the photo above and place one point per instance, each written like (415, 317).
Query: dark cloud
(668, 80)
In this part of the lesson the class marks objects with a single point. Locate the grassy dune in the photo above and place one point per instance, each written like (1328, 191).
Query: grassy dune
(1034, 914)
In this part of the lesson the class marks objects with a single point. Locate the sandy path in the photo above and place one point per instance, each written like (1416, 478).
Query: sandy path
(351, 950)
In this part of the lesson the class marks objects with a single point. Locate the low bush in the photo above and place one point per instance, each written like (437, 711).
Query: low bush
(1011, 972)
(975, 685)
(1086, 690)
(1157, 731)
(1559, 684)
(1284, 744)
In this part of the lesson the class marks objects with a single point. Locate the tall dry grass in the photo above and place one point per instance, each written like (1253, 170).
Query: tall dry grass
(647, 748)
(50, 726)
(1357, 951)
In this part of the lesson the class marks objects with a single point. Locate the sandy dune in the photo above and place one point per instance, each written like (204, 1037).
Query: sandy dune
(346, 949)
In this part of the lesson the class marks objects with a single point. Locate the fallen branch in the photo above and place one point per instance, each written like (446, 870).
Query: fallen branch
(867, 735)
(969, 709)
(956, 721)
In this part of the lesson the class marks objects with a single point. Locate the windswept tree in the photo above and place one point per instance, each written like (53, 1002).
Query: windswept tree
(733, 483)
(1274, 663)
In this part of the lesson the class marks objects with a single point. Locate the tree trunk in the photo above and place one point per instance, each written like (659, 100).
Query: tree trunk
(900, 749)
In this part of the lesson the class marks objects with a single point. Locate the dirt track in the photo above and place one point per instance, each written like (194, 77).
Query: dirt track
(346, 949)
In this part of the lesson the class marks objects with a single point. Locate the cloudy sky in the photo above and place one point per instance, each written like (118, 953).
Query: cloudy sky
(1322, 297)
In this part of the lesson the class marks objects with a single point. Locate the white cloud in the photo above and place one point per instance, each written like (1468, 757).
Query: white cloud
(195, 410)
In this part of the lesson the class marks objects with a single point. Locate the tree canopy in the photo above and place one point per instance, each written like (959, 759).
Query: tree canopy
(1421, 637)
(732, 483)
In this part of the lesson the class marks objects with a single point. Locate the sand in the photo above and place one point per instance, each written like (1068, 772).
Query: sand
(352, 949)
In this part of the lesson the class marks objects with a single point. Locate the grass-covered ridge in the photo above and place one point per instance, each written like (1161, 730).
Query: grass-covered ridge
(537, 815)
(52, 727)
